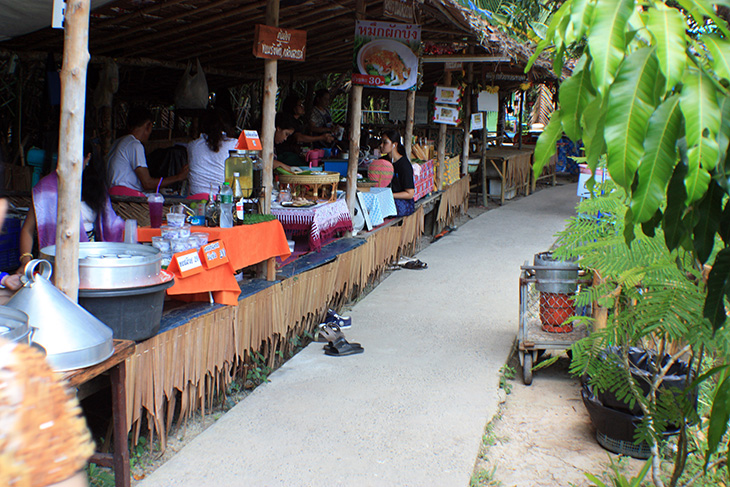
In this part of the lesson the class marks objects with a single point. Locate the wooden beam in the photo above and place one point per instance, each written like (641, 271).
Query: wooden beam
(465, 59)
(71, 150)
(355, 120)
(467, 118)
(441, 148)
(268, 115)
(410, 121)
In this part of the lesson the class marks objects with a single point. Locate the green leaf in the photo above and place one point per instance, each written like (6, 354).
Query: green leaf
(660, 156)
(549, 35)
(631, 102)
(545, 147)
(699, 9)
(594, 118)
(696, 181)
(674, 230)
(718, 287)
(575, 93)
(580, 19)
(718, 418)
(708, 221)
(720, 50)
(725, 224)
(702, 122)
(649, 227)
(607, 41)
(668, 26)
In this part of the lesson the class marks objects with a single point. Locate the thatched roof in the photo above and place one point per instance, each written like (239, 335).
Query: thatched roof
(154, 39)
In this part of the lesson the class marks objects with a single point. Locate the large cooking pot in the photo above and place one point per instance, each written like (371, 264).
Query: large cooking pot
(113, 265)
(14, 325)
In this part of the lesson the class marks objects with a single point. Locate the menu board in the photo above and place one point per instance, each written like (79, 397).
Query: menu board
(397, 106)
(386, 55)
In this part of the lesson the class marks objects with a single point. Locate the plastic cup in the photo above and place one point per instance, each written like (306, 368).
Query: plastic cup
(176, 219)
(155, 202)
(130, 231)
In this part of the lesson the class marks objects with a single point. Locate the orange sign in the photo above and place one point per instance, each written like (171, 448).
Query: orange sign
(249, 140)
(214, 254)
(276, 43)
(188, 262)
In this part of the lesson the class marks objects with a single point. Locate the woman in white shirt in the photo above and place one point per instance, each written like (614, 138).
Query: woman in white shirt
(208, 153)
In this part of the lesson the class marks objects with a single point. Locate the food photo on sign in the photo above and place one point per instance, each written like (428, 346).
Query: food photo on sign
(386, 55)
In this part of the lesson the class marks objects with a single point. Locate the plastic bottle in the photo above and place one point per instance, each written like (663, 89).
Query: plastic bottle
(226, 200)
(239, 161)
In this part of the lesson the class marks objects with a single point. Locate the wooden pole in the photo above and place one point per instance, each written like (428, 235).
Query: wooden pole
(268, 128)
(71, 145)
(519, 121)
(441, 151)
(355, 119)
(467, 119)
(410, 121)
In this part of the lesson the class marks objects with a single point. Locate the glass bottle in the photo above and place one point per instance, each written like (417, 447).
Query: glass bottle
(239, 161)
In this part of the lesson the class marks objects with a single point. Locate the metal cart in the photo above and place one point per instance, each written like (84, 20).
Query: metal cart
(532, 340)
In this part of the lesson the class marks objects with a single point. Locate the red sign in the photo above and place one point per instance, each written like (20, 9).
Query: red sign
(275, 43)
(248, 140)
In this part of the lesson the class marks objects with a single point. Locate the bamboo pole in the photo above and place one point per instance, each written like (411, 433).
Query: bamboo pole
(519, 122)
(70, 150)
(441, 151)
(268, 128)
(355, 119)
(467, 119)
(410, 121)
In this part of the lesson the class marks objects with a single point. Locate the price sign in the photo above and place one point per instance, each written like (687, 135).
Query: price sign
(188, 262)
(249, 140)
(214, 254)
(368, 79)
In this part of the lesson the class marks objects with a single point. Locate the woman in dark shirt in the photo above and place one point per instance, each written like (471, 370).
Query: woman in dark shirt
(402, 184)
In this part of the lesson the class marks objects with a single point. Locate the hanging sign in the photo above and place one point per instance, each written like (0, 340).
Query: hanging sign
(282, 44)
(399, 10)
(386, 55)
(249, 140)
(59, 14)
(421, 112)
(477, 121)
(448, 95)
(487, 101)
(188, 262)
(397, 106)
(453, 66)
(214, 254)
(446, 114)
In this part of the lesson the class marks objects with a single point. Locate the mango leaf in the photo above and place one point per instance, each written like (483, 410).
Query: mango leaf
(660, 156)
(580, 19)
(708, 221)
(594, 118)
(545, 146)
(668, 27)
(696, 181)
(607, 41)
(700, 9)
(719, 417)
(723, 141)
(629, 231)
(725, 224)
(674, 230)
(550, 34)
(702, 122)
(631, 102)
(720, 50)
(649, 227)
(575, 93)
(718, 287)
(558, 58)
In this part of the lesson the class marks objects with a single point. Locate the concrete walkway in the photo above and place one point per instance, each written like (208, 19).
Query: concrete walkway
(411, 410)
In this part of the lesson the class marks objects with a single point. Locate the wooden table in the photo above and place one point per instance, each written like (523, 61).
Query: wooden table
(321, 222)
(115, 364)
(513, 166)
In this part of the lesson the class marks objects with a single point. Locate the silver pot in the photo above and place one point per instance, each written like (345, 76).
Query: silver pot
(112, 265)
(71, 336)
(14, 325)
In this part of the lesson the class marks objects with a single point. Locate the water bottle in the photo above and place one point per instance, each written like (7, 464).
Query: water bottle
(226, 199)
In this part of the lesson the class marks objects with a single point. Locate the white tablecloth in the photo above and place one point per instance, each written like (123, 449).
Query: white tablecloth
(380, 204)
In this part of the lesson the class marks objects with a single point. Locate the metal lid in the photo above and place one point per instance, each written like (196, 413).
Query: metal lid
(13, 324)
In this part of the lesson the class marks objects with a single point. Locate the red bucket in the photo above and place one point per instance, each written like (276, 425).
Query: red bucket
(555, 309)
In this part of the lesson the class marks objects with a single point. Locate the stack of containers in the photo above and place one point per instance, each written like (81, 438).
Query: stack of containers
(176, 237)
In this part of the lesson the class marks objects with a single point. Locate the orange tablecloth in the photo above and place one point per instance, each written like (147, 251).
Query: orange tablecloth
(245, 245)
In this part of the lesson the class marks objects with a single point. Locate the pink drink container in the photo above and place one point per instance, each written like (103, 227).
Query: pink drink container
(155, 202)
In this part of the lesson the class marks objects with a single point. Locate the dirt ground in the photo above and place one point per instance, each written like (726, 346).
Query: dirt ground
(542, 435)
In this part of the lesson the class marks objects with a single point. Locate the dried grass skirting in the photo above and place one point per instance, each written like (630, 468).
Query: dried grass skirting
(454, 202)
(200, 358)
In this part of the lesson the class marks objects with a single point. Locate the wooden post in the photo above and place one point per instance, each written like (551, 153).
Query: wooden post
(71, 145)
(441, 151)
(485, 188)
(500, 118)
(410, 121)
(467, 119)
(355, 119)
(268, 127)
(519, 121)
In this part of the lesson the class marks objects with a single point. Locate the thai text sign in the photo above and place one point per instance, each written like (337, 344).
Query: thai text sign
(386, 55)
(275, 43)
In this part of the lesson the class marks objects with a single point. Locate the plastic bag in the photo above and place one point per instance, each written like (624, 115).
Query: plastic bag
(192, 91)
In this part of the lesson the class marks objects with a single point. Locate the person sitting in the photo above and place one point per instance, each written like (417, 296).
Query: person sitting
(99, 222)
(284, 129)
(127, 162)
(208, 153)
(289, 151)
(320, 119)
(402, 184)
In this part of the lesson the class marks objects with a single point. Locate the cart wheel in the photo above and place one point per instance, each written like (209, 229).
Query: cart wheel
(527, 369)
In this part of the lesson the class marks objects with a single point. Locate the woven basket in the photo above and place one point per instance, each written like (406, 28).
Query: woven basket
(322, 185)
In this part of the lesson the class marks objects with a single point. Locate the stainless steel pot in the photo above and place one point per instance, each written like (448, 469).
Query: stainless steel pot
(72, 337)
(112, 265)
(14, 325)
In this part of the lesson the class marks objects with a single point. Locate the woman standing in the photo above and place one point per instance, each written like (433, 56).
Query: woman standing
(402, 185)
(208, 153)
